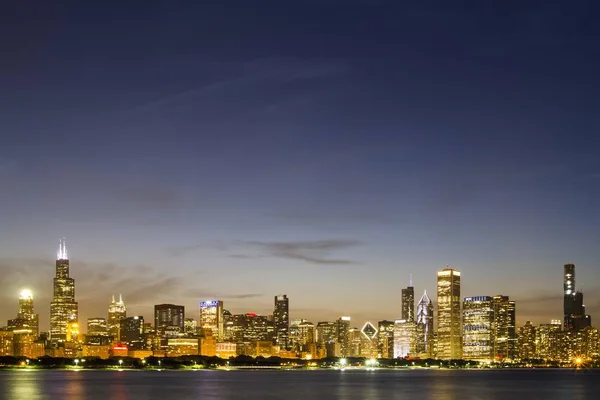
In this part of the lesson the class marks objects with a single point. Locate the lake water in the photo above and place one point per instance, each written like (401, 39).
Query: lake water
(305, 385)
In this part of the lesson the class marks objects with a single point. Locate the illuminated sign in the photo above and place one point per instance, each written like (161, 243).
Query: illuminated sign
(120, 347)
(210, 303)
(251, 314)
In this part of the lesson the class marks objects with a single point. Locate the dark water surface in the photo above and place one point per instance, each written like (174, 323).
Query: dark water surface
(305, 385)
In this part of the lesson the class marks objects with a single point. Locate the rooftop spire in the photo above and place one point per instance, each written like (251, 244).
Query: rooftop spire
(61, 254)
(113, 298)
(410, 280)
(120, 298)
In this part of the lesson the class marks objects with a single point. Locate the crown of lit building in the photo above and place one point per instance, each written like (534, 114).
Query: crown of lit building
(26, 294)
(61, 254)
(369, 331)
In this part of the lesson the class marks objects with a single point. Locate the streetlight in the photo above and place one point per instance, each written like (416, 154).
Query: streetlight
(120, 363)
(76, 362)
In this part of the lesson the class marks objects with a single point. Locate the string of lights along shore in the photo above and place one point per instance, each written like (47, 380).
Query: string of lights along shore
(480, 328)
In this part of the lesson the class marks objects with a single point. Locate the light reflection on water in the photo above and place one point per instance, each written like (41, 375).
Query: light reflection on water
(347, 385)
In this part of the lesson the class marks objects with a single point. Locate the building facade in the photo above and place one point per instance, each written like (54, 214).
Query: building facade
(385, 339)
(408, 304)
(343, 335)
(97, 327)
(404, 338)
(63, 308)
(478, 328)
(424, 327)
(132, 333)
(449, 339)
(526, 341)
(211, 318)
(505, 333)
(116, 312)
(169, 320)
(281, 321)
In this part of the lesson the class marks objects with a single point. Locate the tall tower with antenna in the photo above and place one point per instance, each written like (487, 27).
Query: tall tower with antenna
(63, 308)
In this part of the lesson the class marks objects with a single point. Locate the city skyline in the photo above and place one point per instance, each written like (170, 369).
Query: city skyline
(233, 151)
(406, 305)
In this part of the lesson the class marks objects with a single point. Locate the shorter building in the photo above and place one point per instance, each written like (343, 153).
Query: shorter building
(98, 340)
(183, 347)
(132, 332)
(6, 343)
(211, 318)
(385, 339)
(226, 350)
(547, 341)
(169, 320)
(97, 327)
(478, 328)
(526, 341)
(91, 350)
(119, 350)
(404, 334)
(25, 344)
(208, 346)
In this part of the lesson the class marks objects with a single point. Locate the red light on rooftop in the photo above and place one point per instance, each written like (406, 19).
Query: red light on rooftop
(251, 314)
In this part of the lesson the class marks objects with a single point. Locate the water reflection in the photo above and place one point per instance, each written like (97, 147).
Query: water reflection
(22, 385)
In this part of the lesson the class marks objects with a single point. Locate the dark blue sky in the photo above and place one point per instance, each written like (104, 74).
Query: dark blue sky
(320, 148)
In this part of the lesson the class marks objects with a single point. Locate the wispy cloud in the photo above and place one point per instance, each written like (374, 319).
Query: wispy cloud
(249, 73)
(315, 252)
(178, 251)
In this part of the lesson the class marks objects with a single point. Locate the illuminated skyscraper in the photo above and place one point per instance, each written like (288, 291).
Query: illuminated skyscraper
(97, 327)
(449, 345)
(568, 296)
(132, 332)
(63, 308)
(478, 325)
(575, 318)
(424, 329)
(404, 338)
(169, 319)
(211, 318)
(116, 312)
(281, 320)
(408, 303)
(385, 339)
(326, 333)
(505, 333)
(343, 332)
(526, 341)
(26, 316)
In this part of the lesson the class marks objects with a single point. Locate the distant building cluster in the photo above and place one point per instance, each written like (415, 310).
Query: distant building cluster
(478, 328)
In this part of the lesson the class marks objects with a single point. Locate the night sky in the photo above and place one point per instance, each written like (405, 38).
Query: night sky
(319, 148)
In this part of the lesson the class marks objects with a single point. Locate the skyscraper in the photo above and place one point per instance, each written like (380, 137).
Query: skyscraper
(424, 329)
(478, 326)
(63, 308)
(169, 319)
(408, 303)
(526, 341)
(343, 332)
(449, 317)
(132, 332)
(281, 318)
(404, 338)
(116, 312)
(211, 318)
(385, 339)
(505, 333)
(96, 327)
(568, 296)
(326, 333)
(27, 317)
